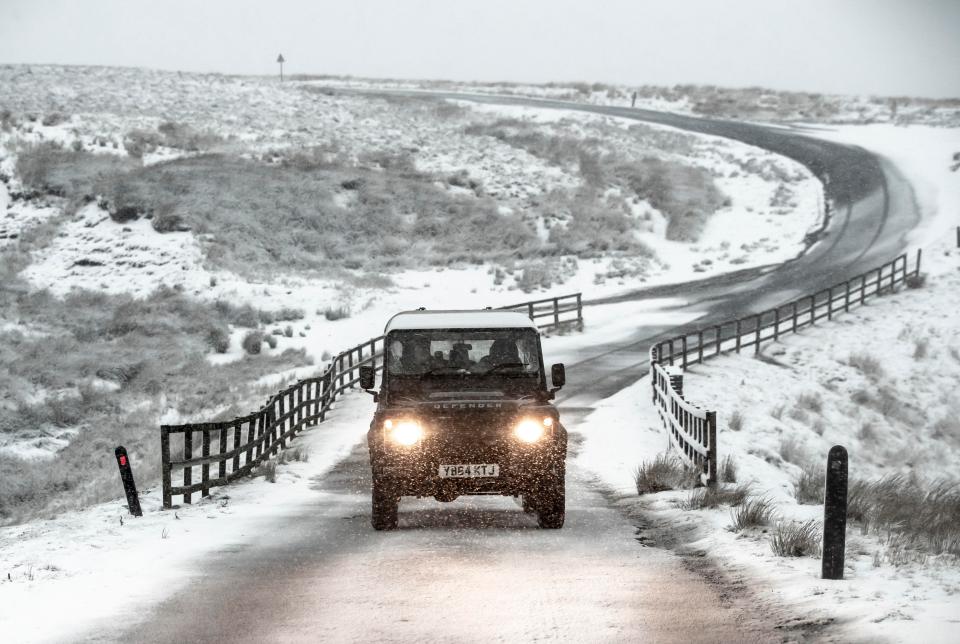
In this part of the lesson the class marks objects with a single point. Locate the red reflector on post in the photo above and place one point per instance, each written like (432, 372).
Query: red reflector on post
(123, 461)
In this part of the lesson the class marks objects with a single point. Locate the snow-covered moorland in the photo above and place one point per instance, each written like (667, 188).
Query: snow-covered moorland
(157, 226)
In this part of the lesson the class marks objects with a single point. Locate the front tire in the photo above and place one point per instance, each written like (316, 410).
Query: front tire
(551, 502)
(385, 505)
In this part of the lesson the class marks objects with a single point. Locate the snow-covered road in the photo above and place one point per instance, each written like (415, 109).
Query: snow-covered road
(477, 569)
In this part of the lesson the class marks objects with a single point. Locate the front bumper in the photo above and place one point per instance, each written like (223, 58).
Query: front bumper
(415, 471)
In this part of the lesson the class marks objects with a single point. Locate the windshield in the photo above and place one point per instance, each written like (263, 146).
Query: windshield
(510, 353)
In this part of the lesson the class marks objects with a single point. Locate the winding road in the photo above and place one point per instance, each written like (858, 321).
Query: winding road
(478, 569)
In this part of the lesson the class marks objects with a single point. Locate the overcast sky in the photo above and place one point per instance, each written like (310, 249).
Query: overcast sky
(891, 47)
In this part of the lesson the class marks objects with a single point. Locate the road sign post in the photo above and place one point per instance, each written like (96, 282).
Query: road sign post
(129, 487)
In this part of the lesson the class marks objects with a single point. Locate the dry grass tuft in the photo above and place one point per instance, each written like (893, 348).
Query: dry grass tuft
(666, 472)
(796, 539)
(752, 513)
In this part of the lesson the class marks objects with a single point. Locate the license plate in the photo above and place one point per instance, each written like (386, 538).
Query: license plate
(469, 470)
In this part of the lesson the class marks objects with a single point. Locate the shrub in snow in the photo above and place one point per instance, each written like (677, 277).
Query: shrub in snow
(752, 513)
(168, 222)
(333, 313)
(796, 539)
(867, 364)
(252, 341)
(916, 280)
(810, 484)
(665, 472)
(920, 346)
(269, 471)
(54, 118)
(271, 341)
(288, 331)
(924, 516)
(728, 470)
(219, 339)
(810, 402)
(736, 421)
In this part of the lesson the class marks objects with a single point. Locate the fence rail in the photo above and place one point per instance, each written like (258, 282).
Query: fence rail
(755, 330)
(692, 430)
(552, 314)
(234, 447)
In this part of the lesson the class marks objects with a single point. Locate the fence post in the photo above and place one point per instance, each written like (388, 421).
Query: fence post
(813, 309)
(863, 289)
(222, 470)
(846, 299)
(237, 429)
(794, 315)
(165, 466)
(187, 469)
(530, 309)
(205, 468)
(280, 422)
(738, 335)
(776, 324)
(718, 332)
(712, 448)
(830, 303)
(556, 313)
(919, 254)
(683, 345)
(579, 311)
(756, 349)
(700, 346)
(835, 513)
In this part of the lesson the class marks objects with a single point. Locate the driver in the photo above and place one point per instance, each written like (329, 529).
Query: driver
(416, 355)
(502, 351)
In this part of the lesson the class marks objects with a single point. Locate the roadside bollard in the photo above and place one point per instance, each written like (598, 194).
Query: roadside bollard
(835, 513)
(126, 475)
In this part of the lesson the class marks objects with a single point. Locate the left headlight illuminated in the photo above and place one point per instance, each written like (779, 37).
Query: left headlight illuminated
(403, 432)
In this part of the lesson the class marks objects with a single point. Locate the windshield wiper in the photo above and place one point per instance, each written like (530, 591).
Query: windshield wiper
(440, 369)
(505, 365)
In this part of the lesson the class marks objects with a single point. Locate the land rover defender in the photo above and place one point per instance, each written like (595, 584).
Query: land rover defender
(464, 408)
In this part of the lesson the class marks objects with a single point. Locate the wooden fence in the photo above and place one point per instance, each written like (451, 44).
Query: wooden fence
(755, 330)
(553, 314)
(692, 430)
(233, 448)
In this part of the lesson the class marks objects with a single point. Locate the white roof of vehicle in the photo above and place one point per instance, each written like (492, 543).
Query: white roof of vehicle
(417, 320)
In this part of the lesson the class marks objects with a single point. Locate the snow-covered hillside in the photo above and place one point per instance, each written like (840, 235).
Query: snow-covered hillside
(211, 161)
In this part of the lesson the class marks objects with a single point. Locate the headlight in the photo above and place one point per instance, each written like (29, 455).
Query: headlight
(530, 430)
(403, 432)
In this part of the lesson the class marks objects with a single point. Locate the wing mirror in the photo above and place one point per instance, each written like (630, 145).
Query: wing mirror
(558, 375)
(367, 377)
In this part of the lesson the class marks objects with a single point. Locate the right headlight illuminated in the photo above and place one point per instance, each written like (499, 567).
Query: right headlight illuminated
(403, 432)
(530, 430)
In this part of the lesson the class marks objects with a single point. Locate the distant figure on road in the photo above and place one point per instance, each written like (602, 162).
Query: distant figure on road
(633, 101)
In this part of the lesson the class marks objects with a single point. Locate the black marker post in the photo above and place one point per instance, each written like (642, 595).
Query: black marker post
(126, 475)
(835, 513)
